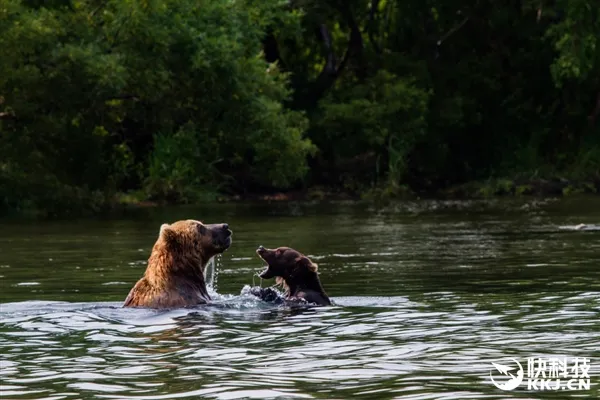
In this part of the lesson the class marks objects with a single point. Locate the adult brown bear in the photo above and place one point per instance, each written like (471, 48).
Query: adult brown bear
(175, 273)
(295, 272)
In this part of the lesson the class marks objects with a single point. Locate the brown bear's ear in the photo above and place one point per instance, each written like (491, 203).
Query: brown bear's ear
(166, 232)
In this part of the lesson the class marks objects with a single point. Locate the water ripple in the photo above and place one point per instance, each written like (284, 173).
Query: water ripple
(362, 347)
(426, 296)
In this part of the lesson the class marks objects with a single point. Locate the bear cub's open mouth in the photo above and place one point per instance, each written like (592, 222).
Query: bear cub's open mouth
(261, 251)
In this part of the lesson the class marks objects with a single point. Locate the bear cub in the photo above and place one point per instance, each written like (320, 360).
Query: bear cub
(295, 272)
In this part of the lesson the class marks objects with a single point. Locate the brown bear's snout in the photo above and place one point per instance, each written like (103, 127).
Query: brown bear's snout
(221, 235)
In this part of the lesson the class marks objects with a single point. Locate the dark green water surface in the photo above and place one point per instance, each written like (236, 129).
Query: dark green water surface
(427, 294)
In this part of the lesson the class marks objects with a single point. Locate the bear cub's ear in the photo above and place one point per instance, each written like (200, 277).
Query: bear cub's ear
(306, 263)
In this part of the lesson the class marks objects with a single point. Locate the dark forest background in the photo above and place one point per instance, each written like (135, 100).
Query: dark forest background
(183, 101)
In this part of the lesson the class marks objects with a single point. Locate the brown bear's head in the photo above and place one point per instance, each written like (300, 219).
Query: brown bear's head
(286, 265)
(195, 238)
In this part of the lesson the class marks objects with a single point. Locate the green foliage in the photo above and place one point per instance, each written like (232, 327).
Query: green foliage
(181, 100)
(170, 95)
(179, 169)
(379, 120)
(576, 38)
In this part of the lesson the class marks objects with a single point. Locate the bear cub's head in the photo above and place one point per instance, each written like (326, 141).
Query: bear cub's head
(286, 263)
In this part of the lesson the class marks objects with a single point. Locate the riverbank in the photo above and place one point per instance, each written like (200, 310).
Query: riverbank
(524, 187)
(472, 190)
(99, 204)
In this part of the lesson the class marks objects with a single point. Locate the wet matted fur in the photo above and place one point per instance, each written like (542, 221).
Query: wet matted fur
(174, 276)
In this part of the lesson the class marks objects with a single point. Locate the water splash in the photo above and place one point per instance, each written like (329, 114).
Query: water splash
(211, 274)
(580, 227)
(217, 266)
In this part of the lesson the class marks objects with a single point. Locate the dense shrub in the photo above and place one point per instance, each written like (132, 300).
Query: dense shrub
(181, 100)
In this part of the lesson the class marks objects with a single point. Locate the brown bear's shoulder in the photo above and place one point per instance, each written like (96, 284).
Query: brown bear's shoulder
(144, 294)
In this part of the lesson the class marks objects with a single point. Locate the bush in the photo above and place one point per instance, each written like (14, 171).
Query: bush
(378, 121)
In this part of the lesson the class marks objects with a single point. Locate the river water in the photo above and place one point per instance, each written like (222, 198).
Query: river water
(427, 295)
